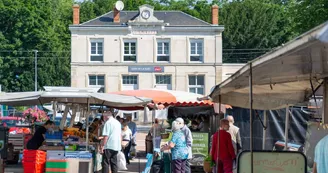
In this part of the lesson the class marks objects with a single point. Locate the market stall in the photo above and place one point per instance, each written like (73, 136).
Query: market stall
(169, 105)
(71, 146)
(281, 78)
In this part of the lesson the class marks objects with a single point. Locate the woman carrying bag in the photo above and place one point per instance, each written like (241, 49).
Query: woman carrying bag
(126, 141)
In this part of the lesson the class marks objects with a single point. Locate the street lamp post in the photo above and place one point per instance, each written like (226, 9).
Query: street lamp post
(36, 69)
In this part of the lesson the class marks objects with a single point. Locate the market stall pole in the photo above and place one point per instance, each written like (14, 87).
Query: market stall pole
(145, 114)
(286, 127)
(219, 125)
(54, 107)
(64, 117)
(74, 110)
(264, 130)
(251, 112)
(87, 125)
(154, 131)
(325, 101)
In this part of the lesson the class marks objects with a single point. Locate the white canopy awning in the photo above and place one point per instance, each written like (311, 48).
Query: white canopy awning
(282, 76)
(75, 97)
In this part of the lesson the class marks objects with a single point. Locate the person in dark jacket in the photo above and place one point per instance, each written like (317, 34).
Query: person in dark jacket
(39, 136)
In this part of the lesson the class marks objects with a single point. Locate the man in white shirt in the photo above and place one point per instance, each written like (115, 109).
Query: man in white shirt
(188, 135)
(235, 134)
(111, 144)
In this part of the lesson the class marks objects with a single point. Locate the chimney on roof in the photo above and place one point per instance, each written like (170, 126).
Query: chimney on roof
(76, 14)
(116, 15)
(215, 14)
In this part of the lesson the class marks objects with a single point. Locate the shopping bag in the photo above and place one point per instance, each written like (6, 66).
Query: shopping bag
(121, 162)
(98, 165)
(133, 151)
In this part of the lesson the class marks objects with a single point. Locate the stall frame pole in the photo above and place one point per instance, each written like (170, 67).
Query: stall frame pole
(286, 127)
(264, 129)
(251, 112)
(219, 124)
(87, 125)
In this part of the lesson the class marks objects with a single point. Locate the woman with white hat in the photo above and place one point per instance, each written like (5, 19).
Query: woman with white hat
(179, 149)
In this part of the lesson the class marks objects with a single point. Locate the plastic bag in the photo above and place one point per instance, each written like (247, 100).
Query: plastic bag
(133, 151)
(98, 165)
(121, 162)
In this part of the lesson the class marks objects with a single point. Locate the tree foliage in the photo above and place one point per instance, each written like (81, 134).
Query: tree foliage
(27, 25)
(34, 25)
(253, 24)
(308, 14)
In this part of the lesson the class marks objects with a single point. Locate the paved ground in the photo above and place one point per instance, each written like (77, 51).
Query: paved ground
(137, 165)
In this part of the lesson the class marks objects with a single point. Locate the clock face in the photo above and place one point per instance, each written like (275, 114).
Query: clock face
(145, 14)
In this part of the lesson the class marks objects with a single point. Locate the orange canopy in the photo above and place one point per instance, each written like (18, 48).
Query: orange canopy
(167, 97)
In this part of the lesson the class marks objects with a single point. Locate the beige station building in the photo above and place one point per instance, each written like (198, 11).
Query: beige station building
(128, 50)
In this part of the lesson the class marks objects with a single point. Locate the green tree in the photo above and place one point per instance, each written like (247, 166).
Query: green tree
(308, 14)
(87, 11)
(253, 24)
(33, 25)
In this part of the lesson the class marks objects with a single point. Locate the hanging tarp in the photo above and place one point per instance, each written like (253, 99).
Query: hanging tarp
(275, 127)
(190, 112)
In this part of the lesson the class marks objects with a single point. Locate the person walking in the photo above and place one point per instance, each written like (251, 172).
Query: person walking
(133, 127)
(111, 144)
(227, 153)
(158, 130)
(126, 136)
(189, 139)
(321, 156)
(235, 134)
(178, 146)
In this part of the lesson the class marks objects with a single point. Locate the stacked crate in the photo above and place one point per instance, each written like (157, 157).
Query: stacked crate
(34, 161)
(18, 141)
(57, 166)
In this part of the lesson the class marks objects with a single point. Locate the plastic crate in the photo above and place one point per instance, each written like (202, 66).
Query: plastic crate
(57, 164)
(55, 170)
(34, 160)
(36, 156)
(55, 135)
(34, 152)
(33, 167)
(55, 155)
(71, 154)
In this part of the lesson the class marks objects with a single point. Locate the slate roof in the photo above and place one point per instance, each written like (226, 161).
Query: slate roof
(173, 18)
